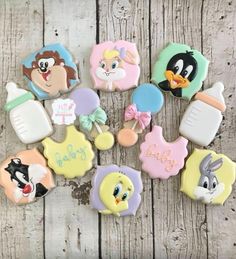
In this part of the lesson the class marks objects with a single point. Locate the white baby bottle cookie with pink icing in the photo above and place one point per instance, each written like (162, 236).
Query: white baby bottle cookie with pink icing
(203, 116)
(114, 66)
(161, 159)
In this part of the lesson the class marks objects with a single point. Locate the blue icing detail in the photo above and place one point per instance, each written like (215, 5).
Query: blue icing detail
(148, 97)
(64, 54)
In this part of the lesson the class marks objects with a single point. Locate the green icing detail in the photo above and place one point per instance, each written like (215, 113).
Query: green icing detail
(171, 50)
(19, 100)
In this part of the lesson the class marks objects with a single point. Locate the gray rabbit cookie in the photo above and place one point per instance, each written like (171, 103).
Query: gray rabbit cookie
(208, 176)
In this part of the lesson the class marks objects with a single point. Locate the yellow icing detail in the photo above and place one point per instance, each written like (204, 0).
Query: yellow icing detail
(191, 175)
(109, 54)
(115, 204)
(104, 141)
(72, 157)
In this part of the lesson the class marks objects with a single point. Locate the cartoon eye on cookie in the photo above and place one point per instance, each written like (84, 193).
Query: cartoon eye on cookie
(180, 70)
(26, 177)
(208, 177)
(115, 66)
(116, 190)
(50, 71)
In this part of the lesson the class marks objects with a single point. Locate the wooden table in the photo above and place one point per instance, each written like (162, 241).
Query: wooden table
(168, 224)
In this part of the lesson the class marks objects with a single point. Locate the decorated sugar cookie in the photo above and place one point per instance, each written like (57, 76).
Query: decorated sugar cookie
(63, 111)
(203, 116)
(146, 100)
(25, 177)
(180, 70)
(28, 117)
(115, 65)
(161, 159)
(208, 176)
(73, 157)
(116, 190)
(50, 71)
(92, 117)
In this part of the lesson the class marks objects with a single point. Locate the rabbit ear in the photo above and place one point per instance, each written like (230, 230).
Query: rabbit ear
(205, 163)
(130, 57)
(216, 164)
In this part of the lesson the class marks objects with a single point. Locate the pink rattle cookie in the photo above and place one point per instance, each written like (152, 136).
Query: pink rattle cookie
(161, 159)
(25, 177)
(147, 99)
(116, 190)
(115, 65)
(92, 117)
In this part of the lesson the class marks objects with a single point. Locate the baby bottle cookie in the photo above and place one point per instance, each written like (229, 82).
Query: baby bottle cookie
(25, 177)
(203, 116)
(115, 65)
(180, 70)
(92, 117)
(28, 117)
(73, 157)
(161, 159)
(116, 190)
(50, 71)
(146, 100)
(208, 176)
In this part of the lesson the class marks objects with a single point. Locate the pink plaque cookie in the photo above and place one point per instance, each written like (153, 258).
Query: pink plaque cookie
(161, 159)
(115, 65)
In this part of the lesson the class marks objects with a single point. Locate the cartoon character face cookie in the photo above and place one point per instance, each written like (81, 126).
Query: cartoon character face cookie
(73, 157)
(180, 70)
(146, 100)
(25, 177)
(116, 190)
(50, 71)
(115, 65)
(203, 116)
(161, 159)
(28, 117)
(208, 176)
(92, 117)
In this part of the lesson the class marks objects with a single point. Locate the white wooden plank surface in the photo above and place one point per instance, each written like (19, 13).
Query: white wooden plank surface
(168, 224)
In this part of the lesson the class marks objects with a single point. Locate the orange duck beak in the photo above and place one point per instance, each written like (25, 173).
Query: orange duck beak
(175, 80)
(118, 200)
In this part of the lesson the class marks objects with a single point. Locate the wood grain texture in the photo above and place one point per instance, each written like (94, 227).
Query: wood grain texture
(167, 224)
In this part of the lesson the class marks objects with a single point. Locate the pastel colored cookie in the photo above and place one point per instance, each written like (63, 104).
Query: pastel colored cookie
(25, 177)
(50, 71)
(161, 159)
(146, 100)
(116, 190)
(28, 117)
(73, 157)
(115, 65)
(180, 70)
(208, 176)
(203, 116)
(63, 111)
(92, 117)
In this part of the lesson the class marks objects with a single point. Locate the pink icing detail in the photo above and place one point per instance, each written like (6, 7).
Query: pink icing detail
(143, 118)
(161, 159)
(132, 69)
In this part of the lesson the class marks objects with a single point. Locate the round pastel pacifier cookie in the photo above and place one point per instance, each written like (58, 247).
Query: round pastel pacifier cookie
(25, 177)
(92, 117)
(161, 159)
(208, 176)
(50, 71)
(180, 70)
(73, 157)
(146, 99)
(115, 65)
(116, 190)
